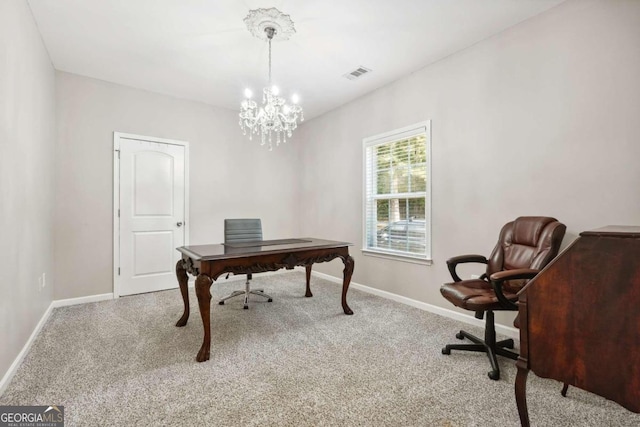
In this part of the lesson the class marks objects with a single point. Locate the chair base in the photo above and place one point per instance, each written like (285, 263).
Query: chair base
(489, 346)
(247, 291)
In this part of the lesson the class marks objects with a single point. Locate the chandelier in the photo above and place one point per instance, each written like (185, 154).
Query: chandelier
(274, 119)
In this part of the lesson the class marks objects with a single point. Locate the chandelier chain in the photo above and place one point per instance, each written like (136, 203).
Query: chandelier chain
(269, 61)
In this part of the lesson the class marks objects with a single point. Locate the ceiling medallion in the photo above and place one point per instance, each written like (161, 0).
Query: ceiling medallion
(274, 118)
(259, 20)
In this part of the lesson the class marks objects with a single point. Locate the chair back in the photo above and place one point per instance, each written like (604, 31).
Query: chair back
(526, 242)
(242, 230)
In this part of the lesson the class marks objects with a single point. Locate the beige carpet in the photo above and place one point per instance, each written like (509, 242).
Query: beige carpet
(293, 362)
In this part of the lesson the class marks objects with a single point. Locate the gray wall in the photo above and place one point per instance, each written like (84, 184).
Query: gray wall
(230, 176)
(27, 140)
(541, 119)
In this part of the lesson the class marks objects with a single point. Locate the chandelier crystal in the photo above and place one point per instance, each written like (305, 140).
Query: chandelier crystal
(274, 119)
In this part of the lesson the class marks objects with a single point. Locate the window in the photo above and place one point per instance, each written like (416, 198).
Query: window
(397, 181)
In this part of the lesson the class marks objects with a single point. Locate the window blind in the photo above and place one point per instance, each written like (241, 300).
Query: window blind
(396, 210)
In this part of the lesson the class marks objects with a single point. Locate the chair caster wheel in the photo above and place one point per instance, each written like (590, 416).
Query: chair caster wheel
(445, 350)
(459, 335)
(220, 302)
(246, 307)
(494, 375)
(270, 300)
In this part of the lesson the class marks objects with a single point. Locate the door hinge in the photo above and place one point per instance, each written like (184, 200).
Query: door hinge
(117, 151)
(118, 271)
(118, 213)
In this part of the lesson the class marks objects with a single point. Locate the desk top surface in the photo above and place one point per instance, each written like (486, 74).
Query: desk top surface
(630, 231)
(261, 247)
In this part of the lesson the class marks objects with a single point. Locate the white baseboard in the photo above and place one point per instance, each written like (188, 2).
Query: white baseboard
(25, 349)
(45, 316)
(501, 329)
(81, 300)
(242, 277)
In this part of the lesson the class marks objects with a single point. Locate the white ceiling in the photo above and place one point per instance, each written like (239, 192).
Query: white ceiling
(202, 50)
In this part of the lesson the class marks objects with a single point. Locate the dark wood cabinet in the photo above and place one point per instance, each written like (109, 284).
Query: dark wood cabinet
(580, 319)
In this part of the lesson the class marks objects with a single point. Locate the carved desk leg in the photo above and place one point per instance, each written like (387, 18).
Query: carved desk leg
(347, 273)
(203, 285)
(521, 393)
(183, 280)
(308, 268)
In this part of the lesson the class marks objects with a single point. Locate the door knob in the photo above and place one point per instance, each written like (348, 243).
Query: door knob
(179, 224)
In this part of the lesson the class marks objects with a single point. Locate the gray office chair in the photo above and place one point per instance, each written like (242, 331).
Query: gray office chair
(243, 230)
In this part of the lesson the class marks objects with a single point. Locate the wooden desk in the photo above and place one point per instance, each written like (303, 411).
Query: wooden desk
(579, 319)
(208, 262)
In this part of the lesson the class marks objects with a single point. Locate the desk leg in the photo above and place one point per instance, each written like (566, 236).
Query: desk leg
(203, 285)
(308, 268)
(347, 273)
(521, 396)
(183, 280)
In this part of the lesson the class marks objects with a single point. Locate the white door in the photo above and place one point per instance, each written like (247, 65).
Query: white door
(152, 212)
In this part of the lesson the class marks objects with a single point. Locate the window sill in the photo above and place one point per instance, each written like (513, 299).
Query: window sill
(402, 258)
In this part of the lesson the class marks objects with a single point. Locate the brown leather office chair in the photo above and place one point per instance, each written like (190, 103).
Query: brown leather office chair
(525, 246)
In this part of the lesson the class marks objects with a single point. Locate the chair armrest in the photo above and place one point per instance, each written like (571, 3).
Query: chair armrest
(519, 273)
(463, 259)
(497, 279)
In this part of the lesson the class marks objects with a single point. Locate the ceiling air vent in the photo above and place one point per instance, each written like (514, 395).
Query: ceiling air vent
(357, 73)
